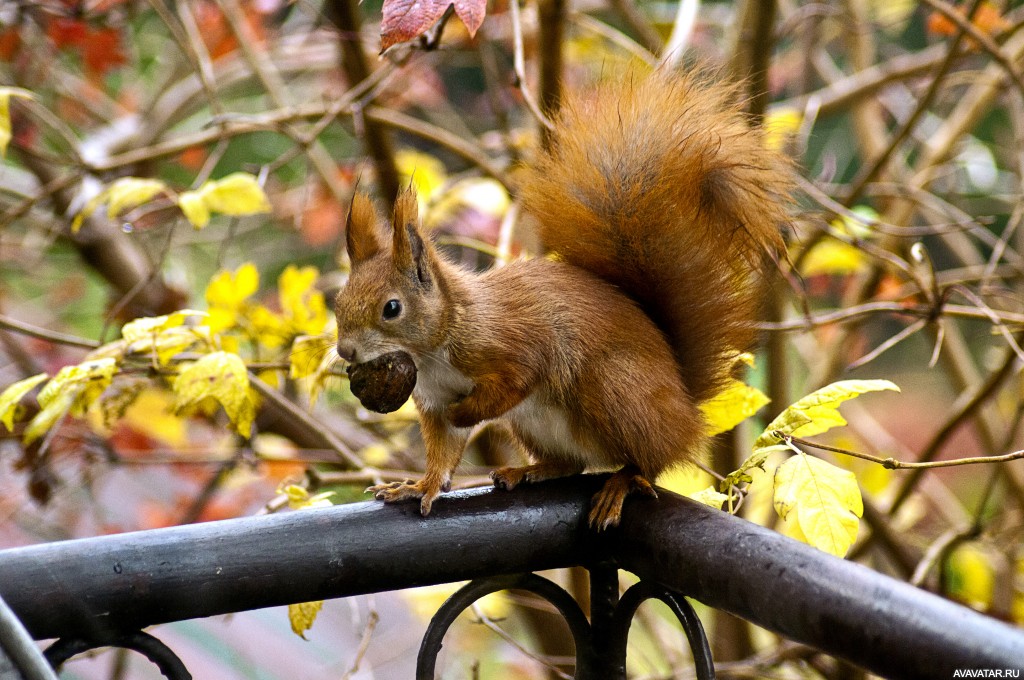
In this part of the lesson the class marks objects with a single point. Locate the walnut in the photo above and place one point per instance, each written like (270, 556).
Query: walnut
(385, 383)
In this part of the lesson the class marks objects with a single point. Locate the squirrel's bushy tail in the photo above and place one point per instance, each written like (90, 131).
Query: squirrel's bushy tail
(659, 185)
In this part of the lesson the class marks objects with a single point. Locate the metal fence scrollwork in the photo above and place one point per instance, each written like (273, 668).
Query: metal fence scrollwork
(600, 643)
(138, 641)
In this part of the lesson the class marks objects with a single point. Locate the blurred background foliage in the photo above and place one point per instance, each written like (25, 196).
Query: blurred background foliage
(905, 263)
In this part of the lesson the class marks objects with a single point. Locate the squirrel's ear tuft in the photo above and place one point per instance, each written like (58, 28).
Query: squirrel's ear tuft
(410, 252)
(362, 230)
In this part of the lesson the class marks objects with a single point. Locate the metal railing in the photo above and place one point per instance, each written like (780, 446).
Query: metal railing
(103, 591)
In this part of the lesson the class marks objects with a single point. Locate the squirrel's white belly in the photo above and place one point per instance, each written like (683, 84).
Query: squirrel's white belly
(438, 383)
(548, 427)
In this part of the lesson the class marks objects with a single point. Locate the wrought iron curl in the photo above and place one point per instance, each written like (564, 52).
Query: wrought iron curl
(636, 595)
(145, 644)
(600, 648)
(433, 639)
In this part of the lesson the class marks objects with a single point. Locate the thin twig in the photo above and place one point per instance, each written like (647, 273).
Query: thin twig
(44, 334)
(519, 67)
(893, 464)
(299, 416)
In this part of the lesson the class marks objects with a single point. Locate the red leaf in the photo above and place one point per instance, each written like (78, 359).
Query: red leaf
(472, 13)
(10, 42)
(406, 19)
(102, 51)
(65, 32)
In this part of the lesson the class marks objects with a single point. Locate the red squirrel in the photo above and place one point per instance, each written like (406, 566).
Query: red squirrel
(658, 205)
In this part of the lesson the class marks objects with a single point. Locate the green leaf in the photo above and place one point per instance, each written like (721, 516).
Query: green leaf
(12, 396)
(819, 411)
(825, 499)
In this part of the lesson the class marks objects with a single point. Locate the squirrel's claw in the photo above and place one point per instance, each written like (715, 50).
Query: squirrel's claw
(508, 478)
(606, 506)
(393, 492)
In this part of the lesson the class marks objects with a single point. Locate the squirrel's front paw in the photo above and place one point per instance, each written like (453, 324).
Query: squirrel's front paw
(462, 414)
(392, 492)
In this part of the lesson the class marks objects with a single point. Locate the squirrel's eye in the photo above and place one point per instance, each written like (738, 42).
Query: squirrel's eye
(392, 308)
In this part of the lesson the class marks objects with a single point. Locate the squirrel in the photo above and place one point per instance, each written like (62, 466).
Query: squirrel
(659, 205)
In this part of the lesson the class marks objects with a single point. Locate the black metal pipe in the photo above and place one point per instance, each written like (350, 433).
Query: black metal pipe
(126, 581)
(846, 609)
(138, 579)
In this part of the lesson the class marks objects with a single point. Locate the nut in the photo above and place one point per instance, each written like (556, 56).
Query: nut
(385, 383)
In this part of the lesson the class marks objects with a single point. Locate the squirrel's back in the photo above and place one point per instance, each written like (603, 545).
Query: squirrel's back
(660, 186)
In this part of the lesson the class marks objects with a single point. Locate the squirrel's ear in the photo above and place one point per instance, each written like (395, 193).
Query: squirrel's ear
(410, 252)
(362, 230)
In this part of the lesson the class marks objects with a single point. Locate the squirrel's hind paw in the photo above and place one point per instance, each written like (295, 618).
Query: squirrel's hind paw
(606, 506)
(508, 478)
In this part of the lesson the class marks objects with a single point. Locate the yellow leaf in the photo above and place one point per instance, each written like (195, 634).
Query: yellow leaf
(5, 113)
(271, 330)
(237, 194)
(426, 172)
(755, 460)
(308, 354)
(152, 414)
(731, 406)
(116, 401)
(858, 224)
(833, 257)
(168, 344)
(193, 207)
(303, 305)
(303, 615)
(710, 496)
(122, 194)
(819, 411)
(685, 480)
(300, 499)
(780, 125)
(86, 380)
(149, 325)
(164, 336)
(129, 192)
(377, 454)
(826, 500)
(226, 294)
(12, 396)
(971, 576)
(228, 289)
(85, 212)
(72, 390)
(53, 411)
(223, 377)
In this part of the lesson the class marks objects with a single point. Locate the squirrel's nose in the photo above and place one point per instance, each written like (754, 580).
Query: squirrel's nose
(347, 350)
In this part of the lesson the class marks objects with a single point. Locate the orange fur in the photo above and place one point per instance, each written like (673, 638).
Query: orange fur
(661, 204)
